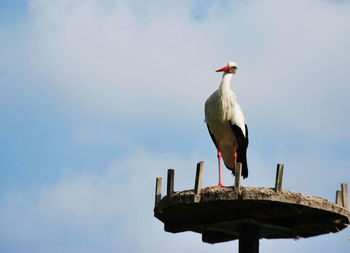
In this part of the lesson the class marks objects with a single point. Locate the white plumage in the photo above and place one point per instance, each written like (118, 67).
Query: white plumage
(226, 124)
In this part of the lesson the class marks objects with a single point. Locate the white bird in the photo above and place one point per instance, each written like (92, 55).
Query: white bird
(226, 124)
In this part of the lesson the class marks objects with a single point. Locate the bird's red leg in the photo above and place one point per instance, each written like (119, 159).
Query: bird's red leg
(219, 162)
(235, 157)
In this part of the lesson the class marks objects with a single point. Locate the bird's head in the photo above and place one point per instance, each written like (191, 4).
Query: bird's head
(230, 68)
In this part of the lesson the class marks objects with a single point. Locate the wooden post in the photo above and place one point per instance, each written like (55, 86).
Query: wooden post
(339, 198)
(158, 190)
(199, 176)
(279, 176)
(248, 240)
(170, 182)
(238, 177)
(344, 189)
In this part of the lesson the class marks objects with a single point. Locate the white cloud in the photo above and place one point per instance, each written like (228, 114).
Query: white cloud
(115, 64)
(120, 61)
(118, 190)
(106, 209)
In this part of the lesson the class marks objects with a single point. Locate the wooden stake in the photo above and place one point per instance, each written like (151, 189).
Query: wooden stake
(170, 182)
(279, 176)
(339, 198)
(158, 190)
(344, 189)
(199, 176)
(238, 177)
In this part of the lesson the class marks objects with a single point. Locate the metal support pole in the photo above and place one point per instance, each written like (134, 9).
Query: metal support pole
(248, 239)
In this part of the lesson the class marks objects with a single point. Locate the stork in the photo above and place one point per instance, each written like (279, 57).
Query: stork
(226, 124)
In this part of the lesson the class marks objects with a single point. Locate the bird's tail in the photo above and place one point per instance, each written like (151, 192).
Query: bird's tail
(245, 169)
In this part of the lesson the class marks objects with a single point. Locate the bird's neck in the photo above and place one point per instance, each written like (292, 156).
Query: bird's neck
(225, 82)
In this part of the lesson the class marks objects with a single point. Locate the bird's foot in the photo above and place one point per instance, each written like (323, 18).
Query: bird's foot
(215, 186)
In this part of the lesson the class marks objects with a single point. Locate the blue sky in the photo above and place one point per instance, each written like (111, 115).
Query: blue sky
(98, 98)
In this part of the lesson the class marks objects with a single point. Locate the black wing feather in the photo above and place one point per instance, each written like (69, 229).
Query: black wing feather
(242, 147)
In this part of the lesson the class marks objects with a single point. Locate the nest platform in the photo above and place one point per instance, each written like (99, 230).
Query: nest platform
(248, 213)
(220, 214)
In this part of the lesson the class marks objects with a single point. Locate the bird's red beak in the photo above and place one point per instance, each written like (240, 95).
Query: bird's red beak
(227, 68)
